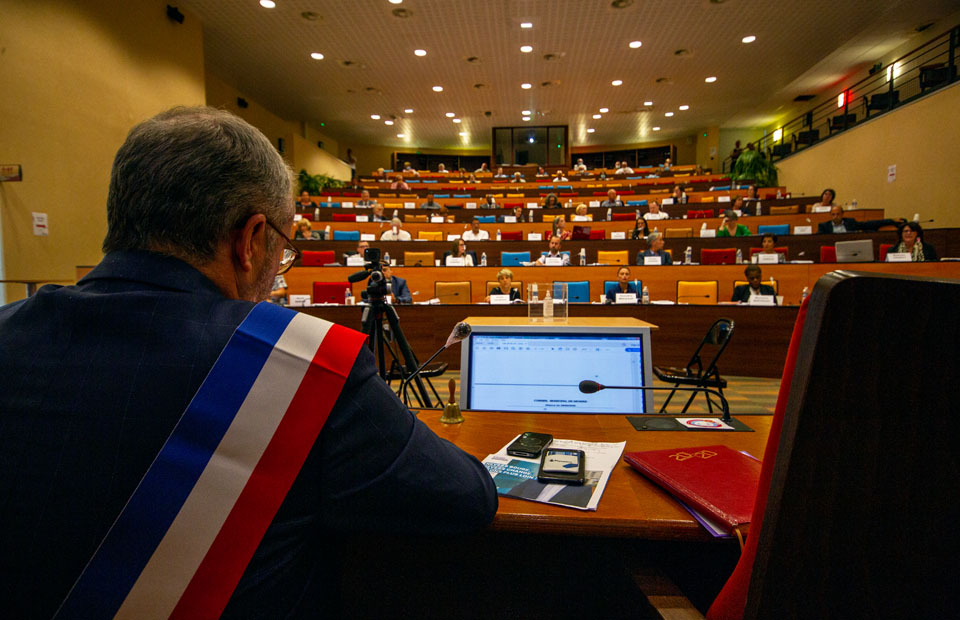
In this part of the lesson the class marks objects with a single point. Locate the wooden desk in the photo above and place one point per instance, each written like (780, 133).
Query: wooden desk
(574, 321)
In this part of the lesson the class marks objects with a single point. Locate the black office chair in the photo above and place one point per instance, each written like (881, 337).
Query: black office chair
(881, 101)
(695, 374)
(805, 138)
(841, 122)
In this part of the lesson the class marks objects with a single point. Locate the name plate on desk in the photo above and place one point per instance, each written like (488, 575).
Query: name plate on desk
(368, 237)
(580, 218)
(761, 300)
(723, 198)
(499, 300)
(652, 260)
(436, 219)
(453, 237)
(355, 260)
(347, 205)
(297, 217)
(819, 209)
(593, 203)
(899, 257)
(471, 205)
(628, 298)
(803, 230)
(409, 205)
(618, 234)
(363, 218)
(533, 205)
(553, 261)
(534, 236)
(509, 219)
(706, 233)
(666, 201)
(299, 301)
(456, 261)
(767, 259)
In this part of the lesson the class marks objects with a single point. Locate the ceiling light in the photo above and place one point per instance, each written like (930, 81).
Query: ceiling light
(777, 134)
(656, 129)
(396, 1)
(388, 122)
(749, 39)
(419, 52)
(648, 103)
(526, 118)
(635, 44)
(438, 89)
(668, 114)
(531, 140)
(463, 134)
(617, 82)
(591, 130)
(526, 86)
(408, 111)
(526, 113)
(596, 116)
(316, 56)
(711, 79)
(526, 48)
(684, 107)
(400, 135)
(456, 120)
(526, 25)
(449, 114)
(375, 117)
(604, 110)
(268, 4)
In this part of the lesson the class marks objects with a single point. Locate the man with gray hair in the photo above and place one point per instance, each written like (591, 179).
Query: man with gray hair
(192, 448)
(396, 232)
(655, 249)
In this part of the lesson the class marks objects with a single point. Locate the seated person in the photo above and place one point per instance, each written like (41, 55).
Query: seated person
(612, 200)
(399, 183)
(482, 169)
(752, 193)
(729, 227)
(839, 224)
(580, 211)
(305, 204)
(559, 178)
(441, 169)
(580, 167)
(430, 203)
(278, 294)
(500, 174)
(541, 173)
(624, 285)
(517, 178)
(667, 164)
(474, 233)
(655, 248)
(553, 252)
(395, 232)
(365, 199)
(518, 213)
(398, 286)
(361, 248)
(640, 229)
(409, 170)
(460, 251)
(677, 195)
(376, 214)
(654, 212)
(911, 241)
(827, 197)
(489, 202)
(624, 169)
(768, 244)
(738, 206)
(305, 231)
(551, 202)
(505, 277)
(744, 292)
(559, 229)
(472, 179)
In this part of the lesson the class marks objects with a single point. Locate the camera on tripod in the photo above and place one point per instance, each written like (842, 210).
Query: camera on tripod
(377, 285)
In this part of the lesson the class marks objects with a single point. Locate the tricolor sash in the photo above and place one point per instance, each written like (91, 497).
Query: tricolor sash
(187, 533)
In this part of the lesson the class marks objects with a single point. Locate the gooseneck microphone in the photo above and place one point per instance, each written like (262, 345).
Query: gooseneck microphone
(591, 387)
(460, 332)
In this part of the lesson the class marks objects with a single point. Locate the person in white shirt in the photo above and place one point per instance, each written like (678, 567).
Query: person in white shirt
(441, 169)
(482, 169)
(517, 178)
(654, 212)
(500, 174)
(624, 169)
(460, 251)
(580, 167)
(396, 232)
(474, 233)
(408, 169)
(541, 173)
(667, 165)
(559, 178)
(554, 252)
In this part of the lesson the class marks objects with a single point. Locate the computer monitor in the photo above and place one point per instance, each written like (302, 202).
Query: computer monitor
(538, 368)
(859, 251)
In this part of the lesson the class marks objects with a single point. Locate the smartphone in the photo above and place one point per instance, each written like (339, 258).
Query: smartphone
(529, 445)
(562, 465)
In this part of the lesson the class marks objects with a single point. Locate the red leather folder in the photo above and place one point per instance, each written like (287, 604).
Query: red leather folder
(715, 480)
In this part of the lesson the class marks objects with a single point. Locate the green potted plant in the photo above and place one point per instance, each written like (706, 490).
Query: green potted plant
(316, 183)
(753, 166)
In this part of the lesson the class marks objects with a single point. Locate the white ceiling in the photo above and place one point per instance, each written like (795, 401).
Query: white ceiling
(802, 46)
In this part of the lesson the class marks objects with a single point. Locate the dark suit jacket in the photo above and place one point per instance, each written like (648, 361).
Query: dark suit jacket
(400, 291)
(852, 225)
(665, 258)
(742, 292)
(93, 379)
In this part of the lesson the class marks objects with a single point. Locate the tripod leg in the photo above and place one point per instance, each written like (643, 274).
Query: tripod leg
(410, 360)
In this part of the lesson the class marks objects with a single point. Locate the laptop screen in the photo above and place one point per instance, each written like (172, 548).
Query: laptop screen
(540, 371)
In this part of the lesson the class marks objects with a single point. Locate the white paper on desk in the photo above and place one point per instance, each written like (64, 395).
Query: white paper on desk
(363, 218)
(822, 209)
(593, 203)
(368, 237)
(409, 205)
(713, 424)
(355, 260)
(453, 237)
(708, 233)
(615, 234)
(899, 257)
(533, 205)
(437, 219)
(534, 236)
(517, 477)
(767, 259)
(499, 300)
(803, 230)
(347, 205)
(471, 205)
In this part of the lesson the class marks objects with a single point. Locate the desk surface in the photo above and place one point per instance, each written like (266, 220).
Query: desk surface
(631, 506)
(573, 321)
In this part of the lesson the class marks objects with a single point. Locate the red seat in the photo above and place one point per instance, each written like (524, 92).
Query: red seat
(352, 194)
(828, 254)
(344, 217)
(511, 235)
(329, 292)
(318, 259)
(598, 233)
(622, 217)
(452, 188)
(627, 192)
(884, 248)
(569, 194)
(725, 256)
(599, 193)
(700, 214)
(511, 205)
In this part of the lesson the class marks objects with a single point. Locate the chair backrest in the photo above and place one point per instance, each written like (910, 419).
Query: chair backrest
(716, 340)
(722, 256)
(430, 235)
(622, 217)
(392, 205)
(774, 283)
(317, 259)
(774, 229)
(419, 259)
(580, 233)
(515, 195)
(706, 199)
(344, 217)
(697, 293)
(613, 258)
(884, 248)
(329, 292)
(597, 234)
(861, 453)
(487, 219)
(511, 235)
(492, 284)
(415, 218)
(790, 210)
(513, 259)
(828, 254)
(577, 292)
(453, 292)
(402, 195)
(346, 235)
(677, 232)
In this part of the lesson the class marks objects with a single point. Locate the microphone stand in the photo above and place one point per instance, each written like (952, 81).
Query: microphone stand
(725, 407)
(453, 339)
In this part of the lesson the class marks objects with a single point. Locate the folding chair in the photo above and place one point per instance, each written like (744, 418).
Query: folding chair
(695, 373)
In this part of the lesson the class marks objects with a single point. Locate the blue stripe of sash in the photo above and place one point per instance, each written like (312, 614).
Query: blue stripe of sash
(144, 521)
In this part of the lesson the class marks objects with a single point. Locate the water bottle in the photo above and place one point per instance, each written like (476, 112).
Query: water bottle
(547, 306)
(316, 214)
(346, 296)
(636, 214)
(498, 234)
(533, 292)
(778, 194)
(386, 257)
(396, 213)
(645, 296)
(483, 259)
(326, 233)
(688, 256)
(569, 203)
(583, 257)
(759, 210)
(739, 257)
(609, 214)
(853, 204)
(803, 295)
(530, 216)
(683, 197)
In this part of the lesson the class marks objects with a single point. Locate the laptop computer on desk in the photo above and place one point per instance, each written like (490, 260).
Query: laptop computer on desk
(859, 251)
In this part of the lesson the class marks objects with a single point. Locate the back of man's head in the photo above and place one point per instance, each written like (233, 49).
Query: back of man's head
(185, 178)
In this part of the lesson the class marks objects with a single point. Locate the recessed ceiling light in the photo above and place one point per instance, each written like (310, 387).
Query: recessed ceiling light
(711, 79)
(408, 111)
(388, 122)
(449, 114)
(526, 86)
(268, 4)
(591, 130)
(597, 116)
(316, 56)
(656, 129)
(396, 1)
(604, 110)
(526, 113)
(684, 107)
(635, 44)
(375, 117)
(526, 118)
(617, 82)
(456, 120)
(463, 133)
(438, 89)
(749, 39)
(668, 114)
(526, 25)
(400, 135)
(648, 103)
(419, 52)
(526, 48)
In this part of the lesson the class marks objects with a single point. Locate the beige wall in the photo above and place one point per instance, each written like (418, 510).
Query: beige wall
(708, 148)
(922, 139)
(75, 76)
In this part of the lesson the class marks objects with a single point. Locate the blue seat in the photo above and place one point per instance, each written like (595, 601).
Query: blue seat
(569, 188)
(461, 195)
(577, 292)
(346, 235)
(635, 178)
(636, 203)
(722, 188)
(514, 259)
(774, 229)
(545, 187)
(441, 195)
(426, 181)
(487, 219)
(609, 285)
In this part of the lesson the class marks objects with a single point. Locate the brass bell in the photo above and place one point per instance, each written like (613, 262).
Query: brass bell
(451, 411)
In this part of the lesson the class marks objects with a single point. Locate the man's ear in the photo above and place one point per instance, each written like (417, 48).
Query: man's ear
(249, 240)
